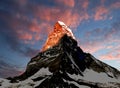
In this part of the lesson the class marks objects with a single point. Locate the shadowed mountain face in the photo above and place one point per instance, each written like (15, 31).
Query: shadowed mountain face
(64, 57)
(65, 65)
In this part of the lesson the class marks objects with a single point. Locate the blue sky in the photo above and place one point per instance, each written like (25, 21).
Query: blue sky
(25, 25)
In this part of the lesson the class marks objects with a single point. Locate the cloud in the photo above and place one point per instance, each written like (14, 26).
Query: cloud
(22, 2)
(85, 4)
(8, 70)
(93, 41)
(91, 47)
(101, 13)
(26, 36)
(114, 54)
(71, 3)
(103, 2)
(70, 16)
(33, 23)
(18, 40)
(115, 5)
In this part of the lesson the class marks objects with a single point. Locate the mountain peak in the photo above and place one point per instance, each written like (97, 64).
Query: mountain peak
(63, 64)
(60, 29)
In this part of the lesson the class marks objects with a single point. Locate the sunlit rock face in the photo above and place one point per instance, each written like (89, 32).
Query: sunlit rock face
(60, 29)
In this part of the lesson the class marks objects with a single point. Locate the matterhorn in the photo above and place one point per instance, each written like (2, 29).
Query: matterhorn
(61, 63)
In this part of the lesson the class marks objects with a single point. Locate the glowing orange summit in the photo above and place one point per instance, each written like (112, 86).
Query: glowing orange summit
(59, 30)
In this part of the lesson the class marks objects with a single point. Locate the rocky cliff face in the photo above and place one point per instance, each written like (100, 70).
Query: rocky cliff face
(64, 65)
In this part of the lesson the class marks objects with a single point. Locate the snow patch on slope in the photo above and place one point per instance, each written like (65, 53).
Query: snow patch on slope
(93, 76)
(42, 72)
(28, 83)
(75, 83)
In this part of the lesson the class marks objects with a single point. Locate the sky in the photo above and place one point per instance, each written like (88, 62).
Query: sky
(25, 25)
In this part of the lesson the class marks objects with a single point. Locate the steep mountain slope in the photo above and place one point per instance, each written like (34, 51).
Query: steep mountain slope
(64, 65)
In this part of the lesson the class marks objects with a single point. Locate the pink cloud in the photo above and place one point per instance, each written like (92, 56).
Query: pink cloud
(73, 19)
(85, 4)
(34, 33)
(35, 27)
(97, 47)
(92, 47)
(107, 57)
(115, 5)
(101, 13)
(36, 30)
(69, 3)
(109, 47)
(67, 15)
(22, 2)
(113, 55)
(102, 2)
(25, 36)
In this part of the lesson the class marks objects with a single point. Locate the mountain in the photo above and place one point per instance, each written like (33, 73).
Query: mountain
(63, 64)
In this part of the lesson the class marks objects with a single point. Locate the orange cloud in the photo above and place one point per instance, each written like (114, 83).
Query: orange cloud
(101, 13)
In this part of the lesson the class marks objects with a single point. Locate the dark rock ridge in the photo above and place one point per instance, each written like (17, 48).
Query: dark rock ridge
(70, 67)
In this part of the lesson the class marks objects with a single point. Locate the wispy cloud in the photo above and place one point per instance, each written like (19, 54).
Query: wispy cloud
(115, 5)
(113, 54)
(34, 22)
(71, 3)
(93, 41)
(85, 4)
(8, 70)
(101, 13)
